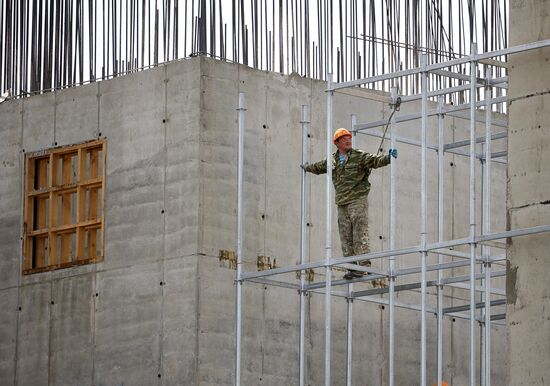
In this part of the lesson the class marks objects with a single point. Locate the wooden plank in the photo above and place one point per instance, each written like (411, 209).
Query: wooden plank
(94, 169)
(67, 169)
(93, 183)
(42, 177)
(28, 213)
(39, 252)
(81, 171)
(66, 208)
(30, 173)
(66, 220)
(66, 189)
(40, 204)
(92, 242)
(52, 237)
(103, 179)
(72, 148)
(27, 257)
(80, 204)
(92, 208)
(54, 161)
(65, 247)
(44, 192)
(66, 228)
(38, 232)
(54, 209)
(80, 240)
(59, 266)
(92, 204)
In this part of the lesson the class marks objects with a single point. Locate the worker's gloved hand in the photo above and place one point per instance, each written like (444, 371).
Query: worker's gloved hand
(393, 153)
(304, 165)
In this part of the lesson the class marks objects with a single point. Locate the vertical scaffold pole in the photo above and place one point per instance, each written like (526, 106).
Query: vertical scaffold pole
(487, 227)
(353, 131)
(423, 205)
(391, 332)
(440, 225)
(328, 235)
(473, 73)
(349, 357)
(241, 110)
(304, 122)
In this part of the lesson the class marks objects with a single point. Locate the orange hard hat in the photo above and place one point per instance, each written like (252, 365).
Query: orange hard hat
(340, 133)
(443, 383)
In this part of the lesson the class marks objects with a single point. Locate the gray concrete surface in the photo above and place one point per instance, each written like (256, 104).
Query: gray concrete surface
(160, 308)
(528, 308)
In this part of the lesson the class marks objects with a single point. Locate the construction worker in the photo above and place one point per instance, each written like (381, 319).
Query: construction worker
(350, 175)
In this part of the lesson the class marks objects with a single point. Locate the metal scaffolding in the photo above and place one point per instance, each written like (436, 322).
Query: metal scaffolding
(478, 235)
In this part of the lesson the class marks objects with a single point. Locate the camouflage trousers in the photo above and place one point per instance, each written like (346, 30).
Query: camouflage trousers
(353, 228)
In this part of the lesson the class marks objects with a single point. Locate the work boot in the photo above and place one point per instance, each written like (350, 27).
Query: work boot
(365, 263)
(352, 274)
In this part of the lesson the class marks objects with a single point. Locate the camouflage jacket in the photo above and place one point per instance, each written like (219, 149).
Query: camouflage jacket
(351, 180)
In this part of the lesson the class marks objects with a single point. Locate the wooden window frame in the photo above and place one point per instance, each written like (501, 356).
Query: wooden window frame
(64, 191)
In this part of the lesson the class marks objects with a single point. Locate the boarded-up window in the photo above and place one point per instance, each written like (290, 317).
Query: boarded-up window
(64, 195)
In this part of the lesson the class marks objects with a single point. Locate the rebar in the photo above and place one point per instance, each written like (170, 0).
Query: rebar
(62, 43)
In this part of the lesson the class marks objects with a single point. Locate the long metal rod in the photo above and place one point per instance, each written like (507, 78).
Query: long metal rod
(241, 109)
(495, 291)
(483, 139)
(400, 272)
(416, 143)
(349, 357)
(304, 122)
(473, 73)
(486, 229)
(466, 255)
(466, 307)
(423, 215)
(434, 93)
(378, 300)
(450, 110)
(328, 233)
(440, 225)
(276, 283)
(391, 310)
(431, 283)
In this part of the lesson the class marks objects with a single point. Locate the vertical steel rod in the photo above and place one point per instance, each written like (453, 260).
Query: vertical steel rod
(328, 232)
(473, 74)
(353, 131)
(391, 305)
(423, 206)
(349, 356)
(487, 227)
(304, 122)
(240, 183)
(440, 225)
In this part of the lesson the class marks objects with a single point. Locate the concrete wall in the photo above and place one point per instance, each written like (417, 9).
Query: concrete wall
(160, 307)
(528, 310)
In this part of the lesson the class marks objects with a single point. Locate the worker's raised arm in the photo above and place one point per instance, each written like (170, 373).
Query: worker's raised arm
(316, 168)
(373, 161)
